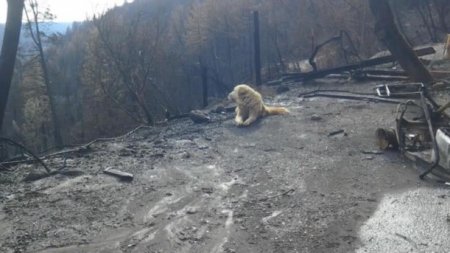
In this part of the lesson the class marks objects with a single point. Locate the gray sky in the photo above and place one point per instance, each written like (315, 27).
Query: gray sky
(68, 11)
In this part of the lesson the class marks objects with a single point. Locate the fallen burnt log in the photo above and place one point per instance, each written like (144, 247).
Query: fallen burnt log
(385, 72)
(363, 76)
(356, 66)
(14, 143)
(400, 73)
(124, 176)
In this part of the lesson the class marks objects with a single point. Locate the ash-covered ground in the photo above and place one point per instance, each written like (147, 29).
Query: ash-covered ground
(281, 185)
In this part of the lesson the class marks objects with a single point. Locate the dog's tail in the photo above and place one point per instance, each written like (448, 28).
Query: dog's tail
(269, 110)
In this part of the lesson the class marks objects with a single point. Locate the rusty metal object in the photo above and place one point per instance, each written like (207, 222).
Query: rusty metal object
(400, 90)
(416, 138)
(436, 157)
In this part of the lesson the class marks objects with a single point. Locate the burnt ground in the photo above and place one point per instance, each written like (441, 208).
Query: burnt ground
(281, 185)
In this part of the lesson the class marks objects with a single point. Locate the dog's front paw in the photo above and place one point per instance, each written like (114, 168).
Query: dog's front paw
(238, 121)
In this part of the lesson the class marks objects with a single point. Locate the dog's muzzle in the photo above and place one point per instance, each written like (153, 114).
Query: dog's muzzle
(230, 97)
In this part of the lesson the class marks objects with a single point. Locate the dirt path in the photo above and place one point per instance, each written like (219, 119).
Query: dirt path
(281, 185)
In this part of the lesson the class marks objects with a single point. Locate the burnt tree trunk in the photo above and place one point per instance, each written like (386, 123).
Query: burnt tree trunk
(257, 50)
(387, 31)
(205, 86)
(37, 39)
(9, 51)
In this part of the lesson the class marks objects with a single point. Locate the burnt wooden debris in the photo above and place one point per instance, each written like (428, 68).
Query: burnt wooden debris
(388, 33)
(400, 74)
(204, 86)
(356, 66)
(340, 38)
(124, 176)
(198, 116)
(385, 72)
(35, 157)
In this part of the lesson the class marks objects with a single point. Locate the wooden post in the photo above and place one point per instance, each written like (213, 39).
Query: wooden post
(257, 50)
(313, 40)
(205, 86)
(387, 31)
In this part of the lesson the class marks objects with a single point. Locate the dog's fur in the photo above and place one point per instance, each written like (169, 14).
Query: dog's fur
(250, 106)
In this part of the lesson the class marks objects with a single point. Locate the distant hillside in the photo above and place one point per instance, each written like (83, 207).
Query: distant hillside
(58, 27)
(47, 27)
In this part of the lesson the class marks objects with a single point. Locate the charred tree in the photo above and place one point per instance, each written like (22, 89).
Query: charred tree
(9, 51)
(205, 86)
(257, 50)
(36, 36)
(387, 32)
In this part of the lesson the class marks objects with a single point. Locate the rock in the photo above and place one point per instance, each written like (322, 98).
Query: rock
(198, 116)
(223, 109)
(230, 250)
(316, 117)
(372, 152)
(208, 190)
(219, 109)
(282, 89)
(71, 173)
(182, 236)
(126, 152)
(230, 108)
(191, 210)
(368, 158)
(157, 155)
(35, 175)
(185, 155)
(201, 144)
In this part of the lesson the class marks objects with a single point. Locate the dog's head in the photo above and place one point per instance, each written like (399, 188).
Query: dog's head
(233, 96)
(239, 92)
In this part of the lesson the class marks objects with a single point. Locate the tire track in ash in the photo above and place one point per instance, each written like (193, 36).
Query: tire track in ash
(196, 217)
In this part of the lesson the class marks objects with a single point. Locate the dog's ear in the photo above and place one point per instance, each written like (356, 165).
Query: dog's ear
(241, 92)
